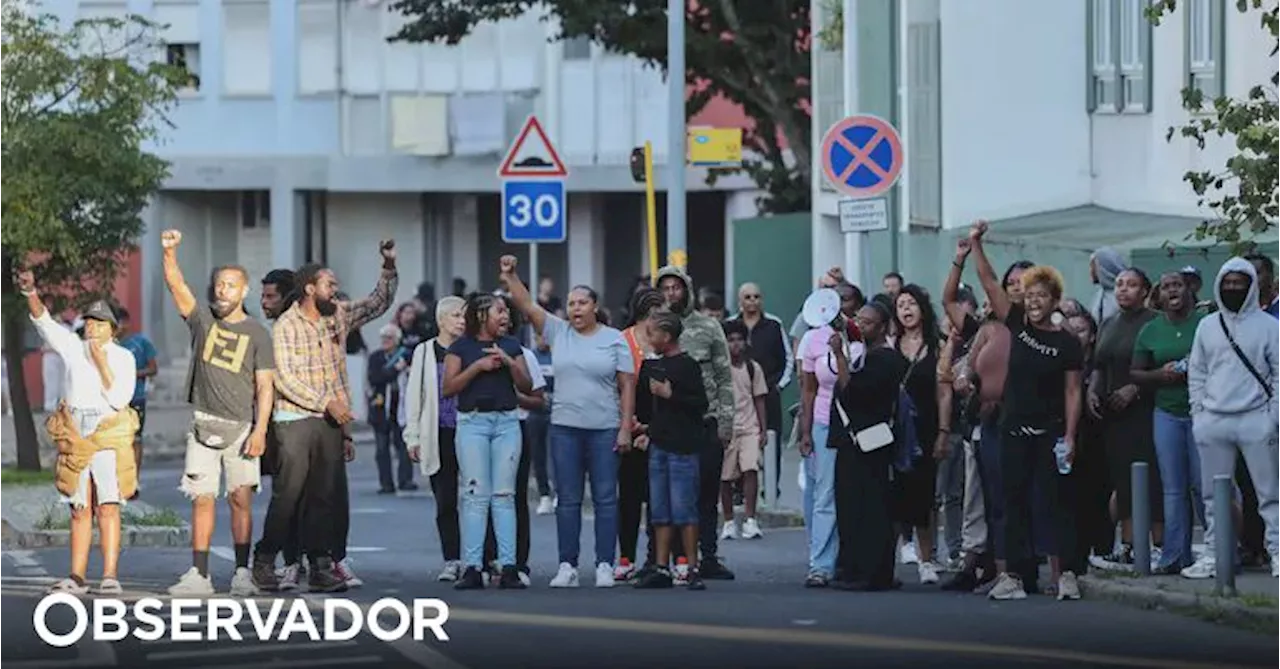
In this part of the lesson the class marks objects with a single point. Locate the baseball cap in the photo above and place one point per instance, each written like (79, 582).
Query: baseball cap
(100, 311)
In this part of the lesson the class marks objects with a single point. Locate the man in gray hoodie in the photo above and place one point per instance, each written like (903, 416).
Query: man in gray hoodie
(1231, 380)
(1104, 266)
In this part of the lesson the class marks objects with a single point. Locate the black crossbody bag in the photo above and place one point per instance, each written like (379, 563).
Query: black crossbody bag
(1262, 381)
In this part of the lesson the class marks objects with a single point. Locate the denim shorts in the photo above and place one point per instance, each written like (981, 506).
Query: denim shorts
(673, 487)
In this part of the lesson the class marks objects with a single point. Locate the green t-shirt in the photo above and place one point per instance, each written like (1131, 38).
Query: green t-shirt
(1160, 342)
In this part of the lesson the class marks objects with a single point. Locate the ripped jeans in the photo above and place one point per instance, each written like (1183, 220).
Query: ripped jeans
(488, 448)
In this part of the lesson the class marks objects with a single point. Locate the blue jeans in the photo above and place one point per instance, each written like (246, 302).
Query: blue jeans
(673, 487)
(824, 542)
(488, 448)
(575, 454)
(1179, 463)
(988, 453)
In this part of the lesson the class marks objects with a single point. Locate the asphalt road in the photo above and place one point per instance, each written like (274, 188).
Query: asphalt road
(763, 619)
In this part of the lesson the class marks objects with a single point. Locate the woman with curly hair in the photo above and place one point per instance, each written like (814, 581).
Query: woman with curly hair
(1041, 408)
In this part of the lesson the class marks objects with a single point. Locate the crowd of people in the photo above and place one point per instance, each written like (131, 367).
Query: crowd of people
(984, 440)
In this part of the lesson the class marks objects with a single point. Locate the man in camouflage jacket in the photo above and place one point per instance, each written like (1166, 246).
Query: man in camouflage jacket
(703, 339)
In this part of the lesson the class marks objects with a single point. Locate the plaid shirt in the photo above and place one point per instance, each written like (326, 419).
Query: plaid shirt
(311, 356)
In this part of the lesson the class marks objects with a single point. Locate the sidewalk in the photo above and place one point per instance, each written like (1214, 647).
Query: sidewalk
(1256, 605)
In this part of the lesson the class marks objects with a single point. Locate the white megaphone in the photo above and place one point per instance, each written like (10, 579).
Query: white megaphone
(821, 308)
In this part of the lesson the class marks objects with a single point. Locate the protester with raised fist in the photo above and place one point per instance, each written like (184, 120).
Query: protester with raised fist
(229, 385)
(93, 428)
(313, 405)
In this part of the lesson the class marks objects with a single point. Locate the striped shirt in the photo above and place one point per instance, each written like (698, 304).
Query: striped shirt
(311, 356)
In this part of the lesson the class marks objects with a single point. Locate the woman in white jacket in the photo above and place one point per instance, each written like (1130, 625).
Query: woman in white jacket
(430, 426)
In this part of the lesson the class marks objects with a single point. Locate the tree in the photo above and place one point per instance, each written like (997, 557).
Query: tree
(79, 102)
(754, 54)
(1243, 194)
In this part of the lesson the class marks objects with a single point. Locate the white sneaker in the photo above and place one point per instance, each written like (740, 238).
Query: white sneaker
(730, 531)
(1156, 555)
(928, 573)
(604, 575)
(566, 577)
(242, 583)
(1068, 586)
(624, 571)
(546, 506)
(1007, 587)
(907, 554)
(343, 570)
(452, 570)
(751, 529)
(290, 577)
(192, 583)
(680, 575)
(69, 586)
(1205, 567)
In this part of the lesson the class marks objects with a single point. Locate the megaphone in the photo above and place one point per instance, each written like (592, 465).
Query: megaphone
(822, 307)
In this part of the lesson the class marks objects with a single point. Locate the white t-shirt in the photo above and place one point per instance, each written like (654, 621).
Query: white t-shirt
(84, 391)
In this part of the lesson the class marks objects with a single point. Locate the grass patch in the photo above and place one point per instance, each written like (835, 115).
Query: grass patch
(23, 477)
(57, 517)
(1258, 600)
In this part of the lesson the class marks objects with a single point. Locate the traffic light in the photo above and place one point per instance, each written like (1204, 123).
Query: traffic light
(637, 164)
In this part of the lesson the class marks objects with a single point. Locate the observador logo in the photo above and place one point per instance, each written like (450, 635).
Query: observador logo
(273, 619)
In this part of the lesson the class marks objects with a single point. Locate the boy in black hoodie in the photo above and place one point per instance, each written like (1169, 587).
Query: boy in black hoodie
(670, 403)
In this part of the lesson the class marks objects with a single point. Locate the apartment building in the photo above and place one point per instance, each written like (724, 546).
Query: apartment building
(1048, 119)
(305, 135)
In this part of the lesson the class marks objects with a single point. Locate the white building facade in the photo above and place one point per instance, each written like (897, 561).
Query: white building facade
(1045, 115)
(306, 136)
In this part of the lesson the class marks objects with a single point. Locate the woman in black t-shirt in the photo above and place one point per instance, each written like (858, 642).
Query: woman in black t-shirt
(484, 368)
(1042, 402)
(917, 342)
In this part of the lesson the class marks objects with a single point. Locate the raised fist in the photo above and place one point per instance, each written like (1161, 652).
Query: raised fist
(388, 249)
(507, 265)
(977, 230)
(170, 239)
(963, 247)
(26, 280)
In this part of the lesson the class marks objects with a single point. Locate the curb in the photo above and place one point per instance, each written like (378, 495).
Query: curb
(1223, 610)
(131, 536)
(774, 519)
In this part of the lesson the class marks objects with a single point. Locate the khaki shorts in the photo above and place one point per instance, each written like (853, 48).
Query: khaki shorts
(205, 466)
(743, 455)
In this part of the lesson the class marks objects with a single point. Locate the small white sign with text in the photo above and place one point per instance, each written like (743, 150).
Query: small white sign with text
(864, 215)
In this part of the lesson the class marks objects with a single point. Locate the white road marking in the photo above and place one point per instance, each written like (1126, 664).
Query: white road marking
(418, 652)
(804, 623)
(32, 571)
(228, 554)
(247, 649)
(362, 512)
(23, 559)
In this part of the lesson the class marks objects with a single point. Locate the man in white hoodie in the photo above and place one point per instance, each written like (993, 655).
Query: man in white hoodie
(1231, 379)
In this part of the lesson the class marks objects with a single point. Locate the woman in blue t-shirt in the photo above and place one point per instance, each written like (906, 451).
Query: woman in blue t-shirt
(483, 369)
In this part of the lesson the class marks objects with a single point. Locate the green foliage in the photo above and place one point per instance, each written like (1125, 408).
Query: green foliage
(754, 54)
(20, 477)
(79, 103)
(1243, 193)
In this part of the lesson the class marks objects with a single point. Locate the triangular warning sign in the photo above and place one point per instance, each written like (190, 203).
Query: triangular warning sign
(532, 155)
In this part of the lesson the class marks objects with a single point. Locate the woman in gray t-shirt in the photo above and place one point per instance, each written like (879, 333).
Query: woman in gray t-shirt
(590, 415)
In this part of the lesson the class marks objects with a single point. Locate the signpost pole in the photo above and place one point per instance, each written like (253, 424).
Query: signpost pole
(651, 213)
(676, 230)
(534, 277)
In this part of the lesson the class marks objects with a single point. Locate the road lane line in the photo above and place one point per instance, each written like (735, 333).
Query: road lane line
(228, 554)
(817, 638)
(32, 571)
(418, 652)
(23, 558)
(247, 649)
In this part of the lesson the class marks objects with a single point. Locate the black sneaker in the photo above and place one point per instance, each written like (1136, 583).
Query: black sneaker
(964, 581)
(714, 570)
(510, 579)
(471, 580)
(655, 578)
(264, 575)
(695, 582)
(324, 578)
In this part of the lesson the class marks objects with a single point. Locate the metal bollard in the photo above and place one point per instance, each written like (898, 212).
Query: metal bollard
(1224, 535)
(1141, 518)
(766, 471)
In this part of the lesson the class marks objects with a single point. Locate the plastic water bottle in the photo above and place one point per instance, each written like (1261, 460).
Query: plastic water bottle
(1060, 452)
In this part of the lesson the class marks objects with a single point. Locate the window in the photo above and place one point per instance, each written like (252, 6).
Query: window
(255, 209)
(186, 57)
(1119, 56)
(317, 47)
(246, 48)
(1204, 46)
